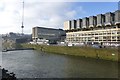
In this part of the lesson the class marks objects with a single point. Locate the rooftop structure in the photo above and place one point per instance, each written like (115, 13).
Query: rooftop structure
(100, 20)
(92, 21)
(73, 24)
(102, 28)
(109, 19)
(117, 17)
(67, 25)
(78, 23)
(85, 22)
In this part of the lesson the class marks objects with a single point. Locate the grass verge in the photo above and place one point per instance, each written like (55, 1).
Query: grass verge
(102, 53)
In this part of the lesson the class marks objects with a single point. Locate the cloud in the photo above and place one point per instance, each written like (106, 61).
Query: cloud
(71, 13)
(46, 14)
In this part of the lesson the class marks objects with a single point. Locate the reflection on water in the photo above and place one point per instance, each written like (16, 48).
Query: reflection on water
(31, 64)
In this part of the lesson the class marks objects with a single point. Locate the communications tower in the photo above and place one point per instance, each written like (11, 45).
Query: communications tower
(22, 17)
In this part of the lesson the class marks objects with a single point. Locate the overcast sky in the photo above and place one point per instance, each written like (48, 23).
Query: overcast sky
(47, 14)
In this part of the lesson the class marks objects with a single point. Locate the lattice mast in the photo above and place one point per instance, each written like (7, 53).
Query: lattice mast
(22, 16)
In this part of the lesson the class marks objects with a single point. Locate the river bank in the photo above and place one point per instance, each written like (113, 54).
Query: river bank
(6, 75)
(102, 53)
(5, 50)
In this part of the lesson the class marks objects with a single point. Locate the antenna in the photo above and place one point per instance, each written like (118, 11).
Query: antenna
(119, 5)
(22, 17)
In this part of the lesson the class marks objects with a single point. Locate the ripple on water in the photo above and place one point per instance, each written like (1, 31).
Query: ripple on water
(31, 64)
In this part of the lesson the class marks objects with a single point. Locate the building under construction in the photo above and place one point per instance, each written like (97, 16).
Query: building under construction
(102, 28)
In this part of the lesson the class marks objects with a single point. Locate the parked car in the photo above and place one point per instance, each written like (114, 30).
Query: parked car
(96, 46)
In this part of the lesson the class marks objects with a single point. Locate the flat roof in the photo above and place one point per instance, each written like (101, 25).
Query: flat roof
(47, 28)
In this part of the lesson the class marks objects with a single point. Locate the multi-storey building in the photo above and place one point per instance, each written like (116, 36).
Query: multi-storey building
(50, 34)
(105, 30)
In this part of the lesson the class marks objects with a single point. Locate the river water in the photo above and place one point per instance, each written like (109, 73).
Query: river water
(36, 64)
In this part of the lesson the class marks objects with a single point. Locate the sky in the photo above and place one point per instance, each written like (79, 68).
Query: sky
(48, 13)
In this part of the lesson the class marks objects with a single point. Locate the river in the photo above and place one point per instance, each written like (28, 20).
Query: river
(36, 64)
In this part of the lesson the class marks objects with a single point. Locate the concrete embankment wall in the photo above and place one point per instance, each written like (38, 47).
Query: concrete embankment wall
(102, 53)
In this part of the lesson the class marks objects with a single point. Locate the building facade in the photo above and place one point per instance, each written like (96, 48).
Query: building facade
(52, 35)
(104, 36)
(105, 30)
(67, 25)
